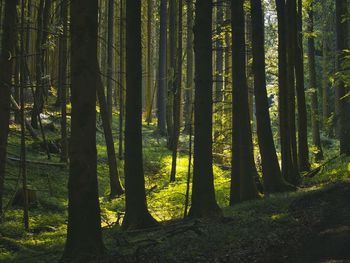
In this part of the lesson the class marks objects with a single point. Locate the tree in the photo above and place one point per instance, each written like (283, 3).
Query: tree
(243, 170)
(8, 43)
(136, 213)
(273, 181)
(177, 96)
(42, 34)
(84, 237)
(189, 69)
(148, 92)
(161, 95)
(110, 56)
(288, 166)
(303, 149)
(316, 140)
(62, 75)
(342, 103)
(203, 194)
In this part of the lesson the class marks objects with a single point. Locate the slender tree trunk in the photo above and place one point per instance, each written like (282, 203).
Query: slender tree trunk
(189, 69)
(273, 181)
(290, 14)
(136, 214)
(243, 167)
(162, 84)
(122, 81)
(342, 103)
(203, 193)
(8, 43)
(316, 140)
(84, 237)
(325, 84)
(177, 95)
(116, 188)
(303, 148)
(149, 69)
(110, 58)
(63, 52)
(171, 73)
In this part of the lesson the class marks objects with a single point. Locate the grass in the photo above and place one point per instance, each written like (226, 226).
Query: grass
(45, 240)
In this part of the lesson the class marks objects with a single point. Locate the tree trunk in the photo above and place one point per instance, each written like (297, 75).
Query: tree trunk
(63, 52)
(316, 140)
(149, 69)
(8, 43)
(116, 188)
(203, 193)
(290, 14)
(162, 84)
(342, 103)
(303, 148)
(243, 167)
(110, 57)
(84, 237)
(189, 69)
(273, 181)
(136, 213)
(177, 95)
(122, 81)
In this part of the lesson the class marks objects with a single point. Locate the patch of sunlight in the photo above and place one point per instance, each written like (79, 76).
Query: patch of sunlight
(276, 217)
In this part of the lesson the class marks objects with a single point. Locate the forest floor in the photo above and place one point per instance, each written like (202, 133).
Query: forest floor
(309, 225)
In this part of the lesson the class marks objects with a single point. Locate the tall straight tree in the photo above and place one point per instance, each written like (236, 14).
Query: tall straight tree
(315, 119)
(189, 68)
(161, 94)
(273, 181)
(8, 43)
(291, 54)
(148, 91)
(303, 149)
(62, 78)
(84, 237)
(177, 94)
(136, 213)
(110, 57)
(203, 194)
(243, 170)
(342, 101)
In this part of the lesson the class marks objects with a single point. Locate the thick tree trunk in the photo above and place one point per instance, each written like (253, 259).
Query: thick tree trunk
(342, 103)
(316, 140)
(162, 84)
(136, 214)
(203, 193)
(8, 43)
(84, 237)
(273, 181)
(303, 148)
(243, 167)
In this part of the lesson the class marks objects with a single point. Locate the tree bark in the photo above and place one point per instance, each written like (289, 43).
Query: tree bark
(316, 139)
(110, 57)
(203, 193)
(136, 213)
(84, 237)
(162, 84)
(243, 167)
(8, 43)
(273, 181)
(303, 148)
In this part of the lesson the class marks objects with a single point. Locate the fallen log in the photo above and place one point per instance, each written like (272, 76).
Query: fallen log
(27, 123)
(14, 159)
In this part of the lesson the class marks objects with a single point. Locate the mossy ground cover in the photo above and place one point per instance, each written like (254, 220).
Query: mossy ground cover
(248, 231)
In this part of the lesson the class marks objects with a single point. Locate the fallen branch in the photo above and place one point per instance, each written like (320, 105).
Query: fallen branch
(315, 171)
(38, 162)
